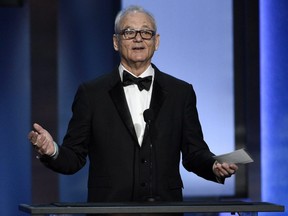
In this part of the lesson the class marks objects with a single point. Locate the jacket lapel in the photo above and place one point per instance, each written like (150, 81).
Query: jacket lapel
(118, 97)
(157, 99)
(158, 94)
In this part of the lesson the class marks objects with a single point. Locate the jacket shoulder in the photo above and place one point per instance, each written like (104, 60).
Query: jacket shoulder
(170, 82)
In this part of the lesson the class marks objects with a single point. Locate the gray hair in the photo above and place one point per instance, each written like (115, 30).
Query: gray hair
(132, 9)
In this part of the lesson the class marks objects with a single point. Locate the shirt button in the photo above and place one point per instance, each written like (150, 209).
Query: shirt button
(144, 160)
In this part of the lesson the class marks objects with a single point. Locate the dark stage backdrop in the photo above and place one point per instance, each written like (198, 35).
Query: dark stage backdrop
(81, 40)
(85, 52)
(274, 100)
(15, 166)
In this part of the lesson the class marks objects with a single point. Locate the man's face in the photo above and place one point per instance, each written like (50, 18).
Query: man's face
(136, 51)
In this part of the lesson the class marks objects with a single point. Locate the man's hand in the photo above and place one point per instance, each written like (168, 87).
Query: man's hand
(224, 170)
(41, 140)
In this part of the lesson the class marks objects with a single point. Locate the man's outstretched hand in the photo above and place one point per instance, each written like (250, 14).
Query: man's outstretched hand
(41, 140)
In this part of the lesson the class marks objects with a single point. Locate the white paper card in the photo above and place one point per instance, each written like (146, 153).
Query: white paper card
(239, 156)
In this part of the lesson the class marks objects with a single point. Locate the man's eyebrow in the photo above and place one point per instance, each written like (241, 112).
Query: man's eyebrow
(142, 27)
(146, 27)
(127, 27)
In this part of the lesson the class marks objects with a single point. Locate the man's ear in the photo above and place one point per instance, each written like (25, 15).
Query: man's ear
(116, 42)
(157, 41)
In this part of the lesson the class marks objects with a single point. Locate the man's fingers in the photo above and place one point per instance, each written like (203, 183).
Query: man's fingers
(44, 144)
(226, 170)
(41, 140)
(233, 167)
(33, 137)
(38, 128)
(42, 148)
(37, 137)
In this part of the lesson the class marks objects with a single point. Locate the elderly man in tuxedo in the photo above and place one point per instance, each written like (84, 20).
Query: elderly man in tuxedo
(133, 123)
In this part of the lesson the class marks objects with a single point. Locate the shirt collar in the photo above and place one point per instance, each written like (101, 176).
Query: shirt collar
(148, 72)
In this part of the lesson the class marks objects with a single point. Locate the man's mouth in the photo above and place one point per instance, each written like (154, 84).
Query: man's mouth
(137, 48)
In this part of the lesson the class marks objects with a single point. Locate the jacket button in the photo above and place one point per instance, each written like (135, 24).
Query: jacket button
(144, 160)
(143, 184)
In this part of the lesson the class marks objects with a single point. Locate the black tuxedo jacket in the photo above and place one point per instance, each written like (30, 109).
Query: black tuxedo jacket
(120, 170)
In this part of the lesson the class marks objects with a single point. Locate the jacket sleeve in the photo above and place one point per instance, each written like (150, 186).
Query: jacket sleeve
(196, 154)
(73, 152)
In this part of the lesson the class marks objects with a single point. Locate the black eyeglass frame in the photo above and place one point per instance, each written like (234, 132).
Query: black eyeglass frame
(141, 31)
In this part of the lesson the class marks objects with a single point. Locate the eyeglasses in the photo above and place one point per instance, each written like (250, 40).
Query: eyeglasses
(132, 33)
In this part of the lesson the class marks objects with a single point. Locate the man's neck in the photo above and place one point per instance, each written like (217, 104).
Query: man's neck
(137, 69)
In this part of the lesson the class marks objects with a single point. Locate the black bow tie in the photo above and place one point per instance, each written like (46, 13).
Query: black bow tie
(142, 83)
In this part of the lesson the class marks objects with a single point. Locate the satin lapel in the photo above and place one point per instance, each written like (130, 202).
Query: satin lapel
(159, 93)
(118, 96)
(157, 99)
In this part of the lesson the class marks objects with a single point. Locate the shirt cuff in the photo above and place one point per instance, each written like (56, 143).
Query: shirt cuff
(56, 151)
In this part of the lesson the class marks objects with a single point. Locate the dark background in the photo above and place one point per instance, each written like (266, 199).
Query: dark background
(29, 90)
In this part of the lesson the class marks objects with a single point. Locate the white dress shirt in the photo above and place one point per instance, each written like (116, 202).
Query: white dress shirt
(138, 101)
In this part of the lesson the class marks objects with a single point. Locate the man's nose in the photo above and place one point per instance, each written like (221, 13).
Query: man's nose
(138, 37)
